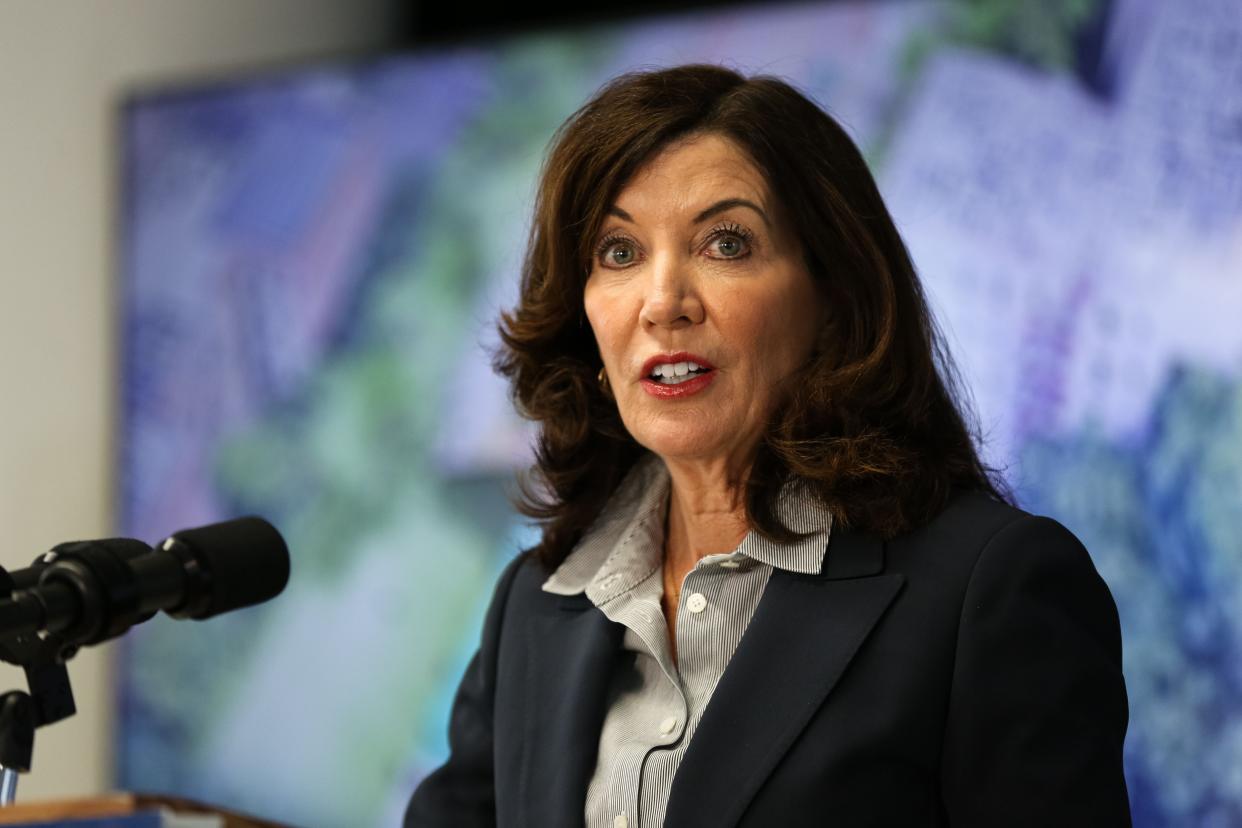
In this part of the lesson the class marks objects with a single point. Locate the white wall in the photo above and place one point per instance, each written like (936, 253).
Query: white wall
(64, 65)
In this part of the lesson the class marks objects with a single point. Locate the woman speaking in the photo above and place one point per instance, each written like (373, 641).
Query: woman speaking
(775, 585)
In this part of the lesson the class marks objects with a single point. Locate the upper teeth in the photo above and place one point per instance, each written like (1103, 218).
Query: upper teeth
(675, 369)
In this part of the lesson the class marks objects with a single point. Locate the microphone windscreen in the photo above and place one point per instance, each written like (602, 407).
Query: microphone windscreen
(246, 559)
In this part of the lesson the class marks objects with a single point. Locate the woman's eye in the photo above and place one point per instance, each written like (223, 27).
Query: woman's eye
(618, 253)
(730, 246)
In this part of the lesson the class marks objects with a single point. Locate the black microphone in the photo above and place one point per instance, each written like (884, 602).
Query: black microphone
(85, 592)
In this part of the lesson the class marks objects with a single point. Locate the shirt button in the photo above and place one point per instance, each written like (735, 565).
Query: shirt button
(619, 821)
(668, 725)
(696, 603)
(730, 564)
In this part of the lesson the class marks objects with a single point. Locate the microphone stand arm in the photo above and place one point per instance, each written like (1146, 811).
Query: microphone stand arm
(50, 696)
(85, 592)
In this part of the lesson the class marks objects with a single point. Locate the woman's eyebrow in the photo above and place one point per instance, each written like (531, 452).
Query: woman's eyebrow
(729, 203)
(718, 207)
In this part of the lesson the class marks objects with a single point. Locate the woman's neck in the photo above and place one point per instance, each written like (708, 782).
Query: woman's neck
(706, 516)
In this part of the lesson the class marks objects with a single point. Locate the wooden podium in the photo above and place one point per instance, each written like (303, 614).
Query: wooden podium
(127, 810)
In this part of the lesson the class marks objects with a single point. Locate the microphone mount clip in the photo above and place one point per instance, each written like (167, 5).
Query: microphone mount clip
(49, 697)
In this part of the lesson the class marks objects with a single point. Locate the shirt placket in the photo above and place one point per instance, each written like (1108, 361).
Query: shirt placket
(639, 609)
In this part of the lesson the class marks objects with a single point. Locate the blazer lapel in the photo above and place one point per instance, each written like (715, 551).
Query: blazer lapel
(572, 651)
(803, 635)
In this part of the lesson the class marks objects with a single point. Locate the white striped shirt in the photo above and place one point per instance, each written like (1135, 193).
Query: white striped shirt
(654, 704)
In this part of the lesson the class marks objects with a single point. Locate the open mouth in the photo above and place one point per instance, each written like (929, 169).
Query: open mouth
(675, 373)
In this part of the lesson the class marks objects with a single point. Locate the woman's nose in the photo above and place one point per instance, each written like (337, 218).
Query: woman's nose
(671, 297)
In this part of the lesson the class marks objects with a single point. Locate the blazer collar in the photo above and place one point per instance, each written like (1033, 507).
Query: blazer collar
(776, 681)
(772, 687)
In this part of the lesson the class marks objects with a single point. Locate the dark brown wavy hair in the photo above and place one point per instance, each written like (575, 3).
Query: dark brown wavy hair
(876, 425)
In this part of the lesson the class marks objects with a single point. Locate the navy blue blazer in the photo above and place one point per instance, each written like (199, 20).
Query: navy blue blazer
(965, 674)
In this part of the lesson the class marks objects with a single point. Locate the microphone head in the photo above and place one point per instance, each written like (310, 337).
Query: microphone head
(245, 560)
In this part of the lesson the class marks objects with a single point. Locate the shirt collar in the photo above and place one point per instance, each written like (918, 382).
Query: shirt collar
(626, 543)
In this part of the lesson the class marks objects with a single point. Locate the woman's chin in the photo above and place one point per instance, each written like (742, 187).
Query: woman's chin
(688, 448)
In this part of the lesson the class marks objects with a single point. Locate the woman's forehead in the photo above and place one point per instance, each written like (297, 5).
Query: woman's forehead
(691, 176)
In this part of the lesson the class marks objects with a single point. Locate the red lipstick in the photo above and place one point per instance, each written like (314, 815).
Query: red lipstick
(682, 389)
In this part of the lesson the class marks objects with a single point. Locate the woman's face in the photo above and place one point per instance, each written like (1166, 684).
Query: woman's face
(690, 270)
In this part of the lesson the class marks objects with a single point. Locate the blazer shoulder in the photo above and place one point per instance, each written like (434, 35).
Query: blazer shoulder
(524, 577)
(528, 573)
(974, 527)
(962, 529)
(979, 539)
(982, 523)
(974, 510)
(1034, 613)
